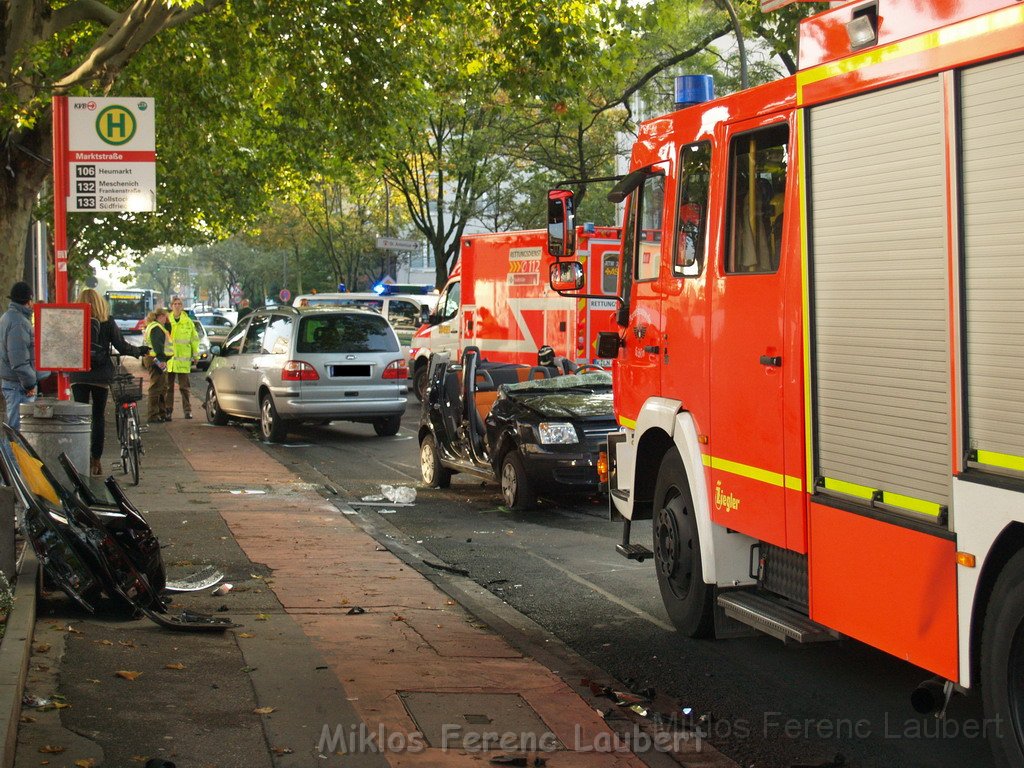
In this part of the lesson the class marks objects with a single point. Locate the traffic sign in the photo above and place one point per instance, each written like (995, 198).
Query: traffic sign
(111, 153)
(285, 295)
(394, 244)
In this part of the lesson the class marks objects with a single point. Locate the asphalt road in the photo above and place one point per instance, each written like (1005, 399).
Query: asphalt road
(768, 704)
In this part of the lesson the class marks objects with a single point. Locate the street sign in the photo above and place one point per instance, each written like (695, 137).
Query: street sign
(394, 244)
(285, 295)
(111, 154)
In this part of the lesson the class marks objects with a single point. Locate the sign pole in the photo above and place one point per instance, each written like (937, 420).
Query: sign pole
(60, 212)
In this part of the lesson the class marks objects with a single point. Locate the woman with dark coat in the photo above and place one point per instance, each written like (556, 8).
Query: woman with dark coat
(94, 384)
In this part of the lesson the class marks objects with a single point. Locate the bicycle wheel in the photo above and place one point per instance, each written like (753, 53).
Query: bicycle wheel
(134, 444)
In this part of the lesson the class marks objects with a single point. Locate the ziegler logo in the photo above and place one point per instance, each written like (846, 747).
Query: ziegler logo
(725, 500)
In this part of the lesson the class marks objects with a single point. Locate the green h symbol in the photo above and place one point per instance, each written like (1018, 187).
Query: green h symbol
(116, 126)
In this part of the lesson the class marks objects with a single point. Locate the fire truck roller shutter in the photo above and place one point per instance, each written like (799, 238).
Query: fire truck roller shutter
(992, 167)
(880, 300)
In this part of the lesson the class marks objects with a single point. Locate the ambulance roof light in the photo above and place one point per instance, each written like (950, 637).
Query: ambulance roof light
(694, 89)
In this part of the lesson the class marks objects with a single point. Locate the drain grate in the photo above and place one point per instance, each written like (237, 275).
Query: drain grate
(478, 722)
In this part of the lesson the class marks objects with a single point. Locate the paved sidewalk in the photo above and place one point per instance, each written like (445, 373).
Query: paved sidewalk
(343, 646)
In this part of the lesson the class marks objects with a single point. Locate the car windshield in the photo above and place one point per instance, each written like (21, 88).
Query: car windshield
(345, 333)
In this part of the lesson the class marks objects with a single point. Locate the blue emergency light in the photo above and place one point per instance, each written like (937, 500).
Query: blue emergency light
(694, 89)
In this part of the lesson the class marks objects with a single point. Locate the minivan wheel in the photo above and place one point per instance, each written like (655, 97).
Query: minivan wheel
(214, 414)
(387, 426)
(272, 427)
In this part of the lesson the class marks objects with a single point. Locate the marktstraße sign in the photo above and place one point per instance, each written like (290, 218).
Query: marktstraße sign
(111, 154)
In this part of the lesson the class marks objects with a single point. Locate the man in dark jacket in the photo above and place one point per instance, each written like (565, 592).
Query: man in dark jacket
(17, 368)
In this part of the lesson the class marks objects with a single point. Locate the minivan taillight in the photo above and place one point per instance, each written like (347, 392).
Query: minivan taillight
(296, 370)
(396, 370)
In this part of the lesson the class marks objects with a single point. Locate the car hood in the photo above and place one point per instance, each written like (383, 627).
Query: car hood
(566, 403)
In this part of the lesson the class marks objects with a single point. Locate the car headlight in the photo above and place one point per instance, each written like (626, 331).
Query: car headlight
(557, 433)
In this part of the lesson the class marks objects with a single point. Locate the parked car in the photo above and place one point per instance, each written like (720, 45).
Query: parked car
(405, 312)
(205, 349)
(217, 326)
(285, 365)
(530, 428)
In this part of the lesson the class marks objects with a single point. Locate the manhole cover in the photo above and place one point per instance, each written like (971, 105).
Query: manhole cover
(479, 721)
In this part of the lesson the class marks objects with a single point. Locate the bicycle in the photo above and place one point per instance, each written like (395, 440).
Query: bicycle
(126, 390)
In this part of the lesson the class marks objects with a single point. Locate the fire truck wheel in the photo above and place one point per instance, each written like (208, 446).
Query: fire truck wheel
(1002, 665)
(434, 475)
(419, 382)
(688, 600)
(515, 486)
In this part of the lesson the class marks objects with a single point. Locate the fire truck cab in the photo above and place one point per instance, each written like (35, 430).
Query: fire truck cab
(818, 366)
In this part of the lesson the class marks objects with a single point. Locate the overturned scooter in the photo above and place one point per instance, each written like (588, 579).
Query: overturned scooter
(92, 549)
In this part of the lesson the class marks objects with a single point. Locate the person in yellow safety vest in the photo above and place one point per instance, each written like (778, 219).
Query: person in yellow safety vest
(158, 338)
(185, 339)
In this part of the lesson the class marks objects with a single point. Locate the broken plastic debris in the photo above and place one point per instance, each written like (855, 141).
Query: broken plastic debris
(247, 491)
(399, 494)
(373, 497)
(386, 511)
(355, 610)
(223, 589)
(35, 701)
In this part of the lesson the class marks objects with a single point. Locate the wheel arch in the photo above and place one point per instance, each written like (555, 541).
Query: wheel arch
(1009, 542)
(665, 425)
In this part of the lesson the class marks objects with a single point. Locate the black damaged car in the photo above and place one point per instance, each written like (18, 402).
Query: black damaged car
(536, 431)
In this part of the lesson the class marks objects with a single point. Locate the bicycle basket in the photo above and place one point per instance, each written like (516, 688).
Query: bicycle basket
(126, 388)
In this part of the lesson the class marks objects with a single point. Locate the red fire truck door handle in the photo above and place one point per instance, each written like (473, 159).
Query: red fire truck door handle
(773, 361)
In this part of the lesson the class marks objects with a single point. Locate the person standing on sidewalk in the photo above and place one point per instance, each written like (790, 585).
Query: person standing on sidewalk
(157, 337)
(16, 348)
(185, 339)
(94, 385)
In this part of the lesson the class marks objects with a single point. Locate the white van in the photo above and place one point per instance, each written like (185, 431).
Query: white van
(406, 312)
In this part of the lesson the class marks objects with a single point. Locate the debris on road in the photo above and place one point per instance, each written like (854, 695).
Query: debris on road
(223, 589)
(447, 568)
(355, 611)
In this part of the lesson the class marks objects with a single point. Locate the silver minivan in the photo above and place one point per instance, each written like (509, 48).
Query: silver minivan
(287, 365)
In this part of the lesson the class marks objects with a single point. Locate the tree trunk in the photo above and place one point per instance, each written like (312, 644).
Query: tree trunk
(21, 180)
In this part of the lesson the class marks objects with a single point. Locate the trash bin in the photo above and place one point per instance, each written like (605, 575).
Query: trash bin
(53, 427)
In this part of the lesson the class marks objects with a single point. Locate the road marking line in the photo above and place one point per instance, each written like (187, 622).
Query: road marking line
(606, 594)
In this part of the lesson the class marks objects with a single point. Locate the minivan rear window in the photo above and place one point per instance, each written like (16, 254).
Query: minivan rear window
(345, 333)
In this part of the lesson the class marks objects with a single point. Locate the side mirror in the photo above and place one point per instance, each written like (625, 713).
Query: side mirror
(608, 344)
(561, 223)
(566, 276)
(433, 318)
(215, 349)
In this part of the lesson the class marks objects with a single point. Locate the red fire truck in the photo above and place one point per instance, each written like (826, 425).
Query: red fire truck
(497, 298)
(820, 364)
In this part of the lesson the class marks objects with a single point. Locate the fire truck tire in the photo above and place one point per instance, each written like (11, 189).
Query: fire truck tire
(434, 475)
(1002, 665)
(677, 561)
(419, 382)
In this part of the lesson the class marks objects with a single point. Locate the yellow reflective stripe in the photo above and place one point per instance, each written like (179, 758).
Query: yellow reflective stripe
(754, 473)
(964, 30)
(627, 423)
(805, 288)
(1002, 460)
(890, 499)
(920, 506)
(849, 489)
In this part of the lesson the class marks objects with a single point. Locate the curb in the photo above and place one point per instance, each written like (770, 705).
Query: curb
(15, 651)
